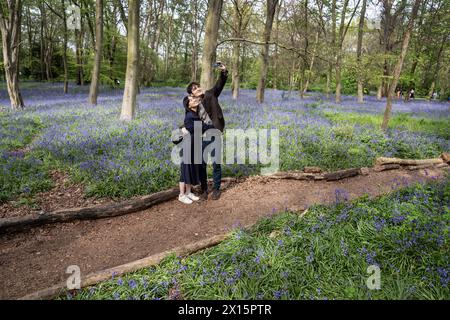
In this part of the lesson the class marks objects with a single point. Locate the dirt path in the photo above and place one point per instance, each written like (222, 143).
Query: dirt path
(38, 259)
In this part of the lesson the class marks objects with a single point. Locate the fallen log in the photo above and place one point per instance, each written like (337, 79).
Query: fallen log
(422, 166)
(312, 170)
(88, 213)
(342, 174)
(386, 167)
(445, 157)
(295, 176)
(17, 224)
(407, 162)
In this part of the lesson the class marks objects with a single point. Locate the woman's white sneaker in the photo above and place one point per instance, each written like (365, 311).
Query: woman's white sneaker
(183, 198)
(192, 196)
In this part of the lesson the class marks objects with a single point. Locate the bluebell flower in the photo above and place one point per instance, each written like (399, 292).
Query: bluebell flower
(277, 294)
(132, 284)
(310, 258)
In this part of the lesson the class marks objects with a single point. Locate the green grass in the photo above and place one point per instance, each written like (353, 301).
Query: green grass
(22, 175)
(323, 255)
(438, 127)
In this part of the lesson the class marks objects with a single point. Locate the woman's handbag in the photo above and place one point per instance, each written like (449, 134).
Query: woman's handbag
(177, 135)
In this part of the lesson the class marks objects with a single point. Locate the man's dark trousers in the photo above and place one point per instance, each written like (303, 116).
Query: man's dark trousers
(217, 169)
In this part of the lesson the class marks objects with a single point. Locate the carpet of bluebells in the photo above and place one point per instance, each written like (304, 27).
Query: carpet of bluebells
(323, 255)
(121, 160)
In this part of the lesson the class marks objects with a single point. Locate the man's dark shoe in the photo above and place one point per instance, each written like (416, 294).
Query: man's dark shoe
(204, 196)
(216, 195)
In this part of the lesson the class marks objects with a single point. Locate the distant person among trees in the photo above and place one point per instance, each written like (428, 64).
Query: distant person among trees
(399, 93)
(411, 94)
(435, 95)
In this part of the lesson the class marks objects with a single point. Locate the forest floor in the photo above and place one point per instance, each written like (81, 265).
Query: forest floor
(37, 259)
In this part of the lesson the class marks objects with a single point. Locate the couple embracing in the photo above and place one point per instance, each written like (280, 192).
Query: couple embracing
(202, 107)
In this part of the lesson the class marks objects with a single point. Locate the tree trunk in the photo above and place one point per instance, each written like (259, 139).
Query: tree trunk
(311, 66)
(30, 41)
(210, 43)
(42, 43)
(10, 23)
(78, 48)
(235, 83)
(380, 91)
(93, 92)
(66, 72)
(131, 78)
(292, 77)
(48, 60)
(338, 50)
(338, 78)
(329, 71)
(271, 8)
(237, 22)
(301, 80)
(277, 38)
(333, 43)
(168, 42)
(194, 62)
(195, 44)
(436, 70)
(359, 53)
(123, 16)
(399, 65)
(79, 34)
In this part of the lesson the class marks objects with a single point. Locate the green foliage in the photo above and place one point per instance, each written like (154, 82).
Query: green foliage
(349, 81)
(437, 127)
(22, 174)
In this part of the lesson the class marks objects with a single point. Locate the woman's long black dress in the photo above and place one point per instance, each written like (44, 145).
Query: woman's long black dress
(190, 172)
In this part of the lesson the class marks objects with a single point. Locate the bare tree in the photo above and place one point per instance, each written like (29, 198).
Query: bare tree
(131, 78)
(271, 8)
(399, 65)
(437, 68)
(10, 23)
(359, 52)
(241, 19)
(311, 65)
(195, 32)
(60, 12)
(79, 35)
(210, 44)
(338, 44)
(93, 92)
(389, 22)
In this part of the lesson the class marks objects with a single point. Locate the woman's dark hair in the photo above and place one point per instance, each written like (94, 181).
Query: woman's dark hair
(192, 84)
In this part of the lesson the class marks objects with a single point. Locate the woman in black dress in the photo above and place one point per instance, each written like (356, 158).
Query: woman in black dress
(190, 172)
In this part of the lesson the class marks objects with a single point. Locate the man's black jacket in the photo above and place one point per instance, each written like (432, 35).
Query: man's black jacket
(211, 102)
